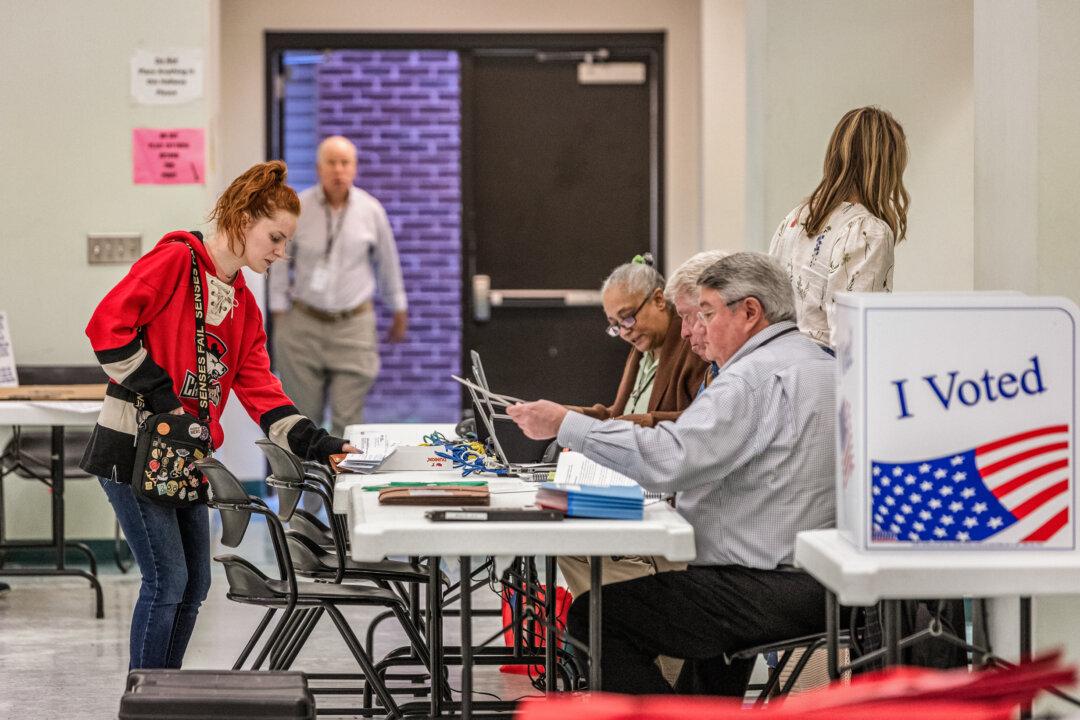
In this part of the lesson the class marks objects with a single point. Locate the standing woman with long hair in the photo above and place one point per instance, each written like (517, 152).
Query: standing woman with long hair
(842, 237)
(144, 333)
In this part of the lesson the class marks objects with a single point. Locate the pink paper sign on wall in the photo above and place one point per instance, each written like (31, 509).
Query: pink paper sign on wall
(168, 157)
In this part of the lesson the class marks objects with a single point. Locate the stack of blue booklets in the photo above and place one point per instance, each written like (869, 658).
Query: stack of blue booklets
(616, 502)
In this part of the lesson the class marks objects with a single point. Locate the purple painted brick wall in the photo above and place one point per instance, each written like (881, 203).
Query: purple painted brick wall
(402, 109)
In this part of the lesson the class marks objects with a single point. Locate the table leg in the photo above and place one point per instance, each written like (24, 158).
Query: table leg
(466, 638)
(58, 493)
(832, 630)
(434, 634)
(414, 603)
(596, 585)
(1025, 646)
(890, 623)
(58, 542)
(551, 684)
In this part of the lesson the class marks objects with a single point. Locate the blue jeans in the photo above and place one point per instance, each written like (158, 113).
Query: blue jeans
(172, 548)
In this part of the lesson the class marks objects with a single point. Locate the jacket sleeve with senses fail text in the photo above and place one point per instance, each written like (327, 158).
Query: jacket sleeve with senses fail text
(135, 301)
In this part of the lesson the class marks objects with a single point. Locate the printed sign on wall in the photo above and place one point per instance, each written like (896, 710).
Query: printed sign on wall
(8, 375)
(166, 77)
(168, 157)
(956, 421)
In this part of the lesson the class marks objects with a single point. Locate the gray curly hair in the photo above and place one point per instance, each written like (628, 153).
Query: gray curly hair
(637, 279)
(684, 281)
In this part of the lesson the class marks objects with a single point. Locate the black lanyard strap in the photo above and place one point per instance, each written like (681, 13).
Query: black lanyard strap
(332, 233)
(200, 340)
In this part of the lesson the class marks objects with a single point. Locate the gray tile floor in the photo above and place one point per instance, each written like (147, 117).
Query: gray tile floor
(57, 661)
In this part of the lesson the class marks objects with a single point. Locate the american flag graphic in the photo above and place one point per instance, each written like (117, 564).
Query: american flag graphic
(1015, 489)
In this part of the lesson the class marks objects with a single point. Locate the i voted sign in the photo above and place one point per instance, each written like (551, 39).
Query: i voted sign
(957, 421)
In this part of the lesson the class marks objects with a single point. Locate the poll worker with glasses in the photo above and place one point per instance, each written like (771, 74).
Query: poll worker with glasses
(751, 463)
(681, 293)
(662, 374)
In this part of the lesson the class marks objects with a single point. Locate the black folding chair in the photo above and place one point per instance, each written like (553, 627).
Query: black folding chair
(313, 558)
(249, 585)
(785, 649)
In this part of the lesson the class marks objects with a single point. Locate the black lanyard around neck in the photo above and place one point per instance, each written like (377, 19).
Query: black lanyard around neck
(333, 232)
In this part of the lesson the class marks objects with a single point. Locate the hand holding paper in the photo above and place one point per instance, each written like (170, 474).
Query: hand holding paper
(539, 420)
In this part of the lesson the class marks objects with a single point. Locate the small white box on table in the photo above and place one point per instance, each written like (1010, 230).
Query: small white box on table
(957, 417)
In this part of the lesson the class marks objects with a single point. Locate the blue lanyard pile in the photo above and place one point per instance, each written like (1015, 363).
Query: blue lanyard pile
(469, 457)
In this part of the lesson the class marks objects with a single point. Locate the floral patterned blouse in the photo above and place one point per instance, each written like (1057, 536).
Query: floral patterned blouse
(854, 252)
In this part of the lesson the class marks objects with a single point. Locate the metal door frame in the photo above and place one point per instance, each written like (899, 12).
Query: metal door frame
(647, 46)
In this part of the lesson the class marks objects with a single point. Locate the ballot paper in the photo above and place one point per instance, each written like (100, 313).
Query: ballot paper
(374, 450)
(575, 469)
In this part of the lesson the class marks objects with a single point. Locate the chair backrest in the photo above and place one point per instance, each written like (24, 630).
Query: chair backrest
(226, 489)
(288, 471)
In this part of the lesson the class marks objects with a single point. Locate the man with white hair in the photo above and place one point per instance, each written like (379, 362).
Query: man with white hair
(751, 462)
(682, 291)
(324, 325)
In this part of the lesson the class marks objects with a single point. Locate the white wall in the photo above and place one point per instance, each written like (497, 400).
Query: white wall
(913, 58)
(1059, 147)
(65, 170)
(1058, 251)
(728, 183)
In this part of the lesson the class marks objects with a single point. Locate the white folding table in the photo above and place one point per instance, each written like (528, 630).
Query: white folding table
(56, 414)
(377, 531)
(854, 577)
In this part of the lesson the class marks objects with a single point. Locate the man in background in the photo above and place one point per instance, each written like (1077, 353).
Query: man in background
(324, 341)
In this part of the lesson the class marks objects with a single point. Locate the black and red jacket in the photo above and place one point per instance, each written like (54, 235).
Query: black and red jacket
(143, 334)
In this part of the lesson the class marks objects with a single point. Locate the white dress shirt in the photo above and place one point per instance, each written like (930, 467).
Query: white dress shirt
(751, 461)
(363, 246)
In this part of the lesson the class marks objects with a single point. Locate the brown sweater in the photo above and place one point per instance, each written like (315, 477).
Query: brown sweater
(679, 373)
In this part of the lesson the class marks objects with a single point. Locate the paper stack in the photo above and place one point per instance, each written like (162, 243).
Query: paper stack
(617, 502)
(576, 469)
(374, 449)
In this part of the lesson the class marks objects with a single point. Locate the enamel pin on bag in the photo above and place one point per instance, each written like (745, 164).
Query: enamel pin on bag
(168, 445)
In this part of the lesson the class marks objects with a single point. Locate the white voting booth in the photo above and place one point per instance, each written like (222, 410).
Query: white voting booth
(957, 421)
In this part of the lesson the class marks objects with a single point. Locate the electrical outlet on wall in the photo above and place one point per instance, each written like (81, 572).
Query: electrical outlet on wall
(113, 248)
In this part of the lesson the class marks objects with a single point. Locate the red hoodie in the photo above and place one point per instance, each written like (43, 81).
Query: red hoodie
(143, 333)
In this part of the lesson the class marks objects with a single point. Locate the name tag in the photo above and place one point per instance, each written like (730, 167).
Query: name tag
(320, 277)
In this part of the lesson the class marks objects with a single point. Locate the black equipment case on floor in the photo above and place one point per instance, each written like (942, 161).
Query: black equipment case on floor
(212, 694)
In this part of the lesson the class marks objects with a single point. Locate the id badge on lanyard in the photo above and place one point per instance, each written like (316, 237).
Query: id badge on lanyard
(320, 277)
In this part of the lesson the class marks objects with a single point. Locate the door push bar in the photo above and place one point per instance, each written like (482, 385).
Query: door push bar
(484, 298)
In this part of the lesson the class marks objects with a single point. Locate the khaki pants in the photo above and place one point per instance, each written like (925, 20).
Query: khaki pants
(320, 361)
(576, 570)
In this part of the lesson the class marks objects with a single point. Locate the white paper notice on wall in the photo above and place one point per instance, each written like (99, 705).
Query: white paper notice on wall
(167, 76)
(8, 376)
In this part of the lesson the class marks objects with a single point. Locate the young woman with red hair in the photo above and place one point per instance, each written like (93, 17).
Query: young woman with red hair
(143, 334)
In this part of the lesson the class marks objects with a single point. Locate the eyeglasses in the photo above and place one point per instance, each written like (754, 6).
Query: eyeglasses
(629, 321)
(706, 316)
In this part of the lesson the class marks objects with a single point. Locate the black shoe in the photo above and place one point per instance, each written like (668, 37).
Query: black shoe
(4, 587)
